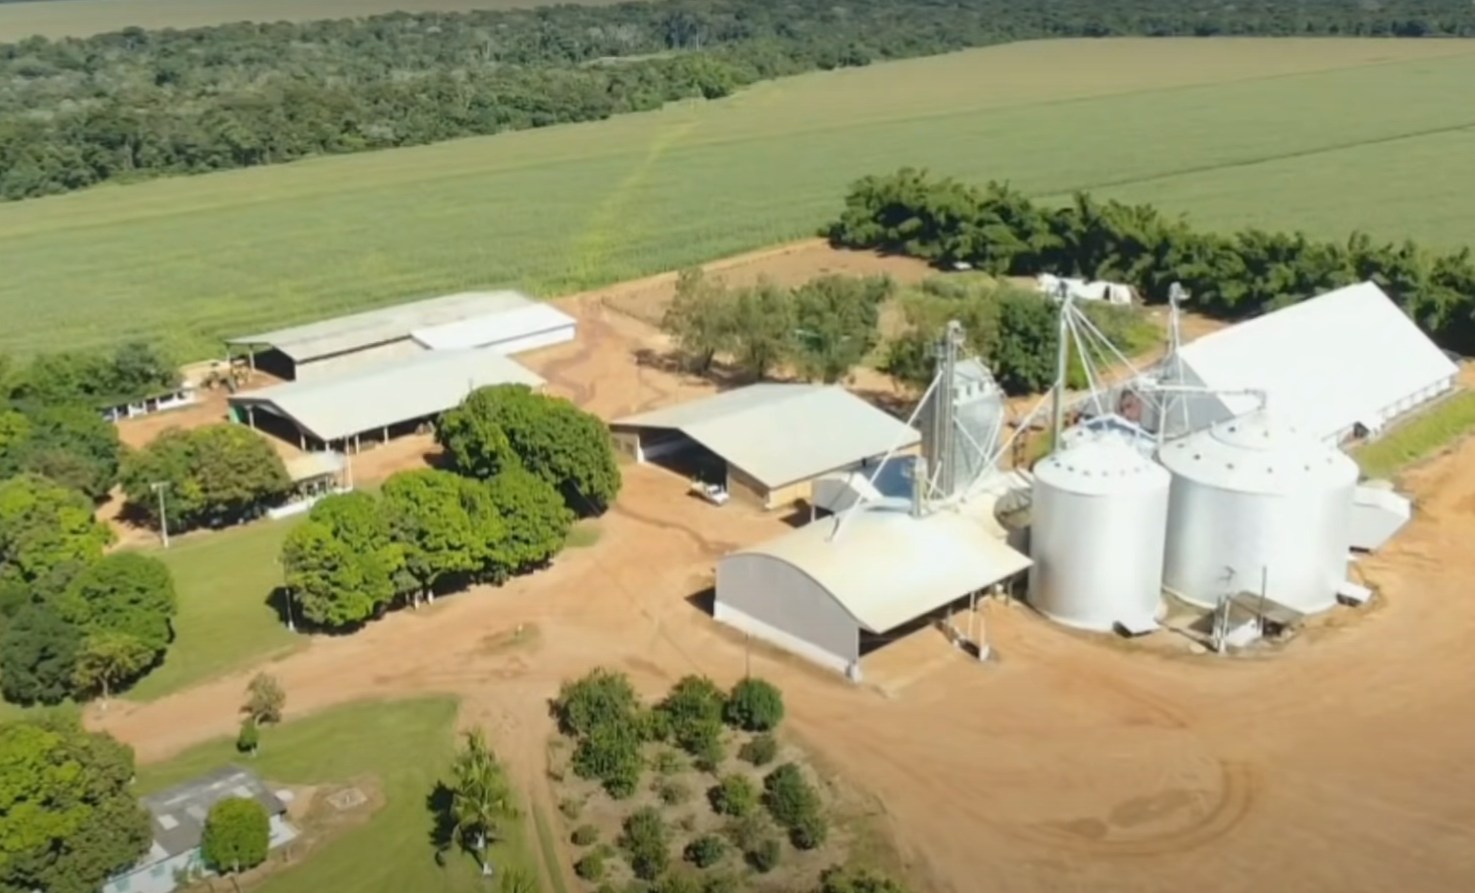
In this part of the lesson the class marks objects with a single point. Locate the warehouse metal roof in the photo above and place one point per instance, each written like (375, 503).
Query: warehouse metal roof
(345, 333)
(887, 567)
(1329, 362)
(179, 812)
(489, 330)
(782, 433)
(412, 388)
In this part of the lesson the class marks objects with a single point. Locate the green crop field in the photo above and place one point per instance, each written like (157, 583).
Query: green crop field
(1325, 135)
(80, 18)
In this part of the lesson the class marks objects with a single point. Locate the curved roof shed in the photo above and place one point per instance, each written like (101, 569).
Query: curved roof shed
(813, 594)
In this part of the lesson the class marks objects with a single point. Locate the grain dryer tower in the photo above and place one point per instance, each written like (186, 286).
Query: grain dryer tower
(961, 419)
(1100, 516)
(1259, 507)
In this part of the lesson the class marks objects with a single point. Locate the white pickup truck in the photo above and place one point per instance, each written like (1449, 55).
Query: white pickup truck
(713, 493)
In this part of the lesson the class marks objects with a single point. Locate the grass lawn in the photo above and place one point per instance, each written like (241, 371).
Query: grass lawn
(408, 746)
(1420, 437)
(223, 580)
(1267, 132)
(78, 18)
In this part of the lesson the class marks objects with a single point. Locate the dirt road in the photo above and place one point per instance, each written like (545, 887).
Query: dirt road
(1340, 765)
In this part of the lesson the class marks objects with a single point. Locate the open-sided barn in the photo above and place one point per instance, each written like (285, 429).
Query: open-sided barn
(1345, 363)
(507, 322)
(770, 440)
(379, 401)
(818, 593)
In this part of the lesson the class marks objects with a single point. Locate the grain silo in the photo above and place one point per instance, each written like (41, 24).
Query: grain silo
(961, 424)
(1100, 515)
(1257, 507)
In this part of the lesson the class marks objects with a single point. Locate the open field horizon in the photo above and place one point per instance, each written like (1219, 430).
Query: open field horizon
(82, 18)
(1276, 133)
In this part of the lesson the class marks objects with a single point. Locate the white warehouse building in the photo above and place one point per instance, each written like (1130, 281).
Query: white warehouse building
(1343, 364)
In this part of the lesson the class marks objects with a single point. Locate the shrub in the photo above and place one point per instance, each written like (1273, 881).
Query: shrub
(810, 831)
(591, 866)
(760, 751)
(694, 705)
(707, 750)
(571, 808)
(601, 697)
(735, 796)
(678, 882)
(748, 831)
(687, 822)
(645, 842)
(706, 851)
(722, 883)
(668, 762)
(584, 835)
(789, 797)
(673, 792)
(764, 855)
(755, 705)
(856, 880)
(611, 754)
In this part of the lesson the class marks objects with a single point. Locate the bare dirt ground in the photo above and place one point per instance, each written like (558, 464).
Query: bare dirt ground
(1067, 764)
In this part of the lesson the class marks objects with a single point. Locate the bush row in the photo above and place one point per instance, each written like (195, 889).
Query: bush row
(1232, 276)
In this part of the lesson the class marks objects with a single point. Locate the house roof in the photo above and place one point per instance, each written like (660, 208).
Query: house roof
(310, 466)
(782, 433)
(1329, 362)
(415, 387)
(491, 329)
(346, 333)
(179, 813)
(886, 567)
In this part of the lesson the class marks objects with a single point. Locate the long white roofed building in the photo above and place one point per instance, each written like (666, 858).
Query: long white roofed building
(1345, 363)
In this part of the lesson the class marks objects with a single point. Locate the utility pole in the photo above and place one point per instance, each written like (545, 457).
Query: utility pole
(159, 487)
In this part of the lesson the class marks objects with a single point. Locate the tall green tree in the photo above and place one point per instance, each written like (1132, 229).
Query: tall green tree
(701, 318)
(108, 659)
(428, 517)
(537, 520)
(38, 656)
(215, 475)
(237, 835)
(504, 426)
(481, 798)
(1024, 356)
(835, 324)
(332, 584)
(764, 327)
(68, 818)
(127, 593)
(44, 525)
(69, 444)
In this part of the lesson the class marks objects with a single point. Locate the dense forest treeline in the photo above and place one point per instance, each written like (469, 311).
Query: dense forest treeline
(79, 111)
(1231, 276)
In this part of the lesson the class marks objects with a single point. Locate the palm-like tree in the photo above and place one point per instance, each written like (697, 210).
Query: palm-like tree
(480, 796)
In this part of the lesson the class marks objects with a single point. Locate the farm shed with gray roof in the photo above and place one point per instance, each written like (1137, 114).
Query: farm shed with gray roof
(831, 588)
(770, 440)
(177, 817)
(505, 321)
(383, 399)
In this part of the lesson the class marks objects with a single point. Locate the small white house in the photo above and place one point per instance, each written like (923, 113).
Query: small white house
(178, 816)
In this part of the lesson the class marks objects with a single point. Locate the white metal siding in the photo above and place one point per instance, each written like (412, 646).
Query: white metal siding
(787, 608)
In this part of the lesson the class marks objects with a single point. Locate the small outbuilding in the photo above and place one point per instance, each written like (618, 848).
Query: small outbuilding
(505, 321)
(769, 442)
(382, 401)
(178, 818)
(821, 594)
(1346, 363)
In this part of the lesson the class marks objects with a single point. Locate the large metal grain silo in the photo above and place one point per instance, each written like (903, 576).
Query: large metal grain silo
(1100, 512)
(1256, 502)
(962, 425)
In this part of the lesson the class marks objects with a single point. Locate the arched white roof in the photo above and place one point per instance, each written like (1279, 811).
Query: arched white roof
(887, 567)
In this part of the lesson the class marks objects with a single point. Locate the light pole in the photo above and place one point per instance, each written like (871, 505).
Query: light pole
(159, 487)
